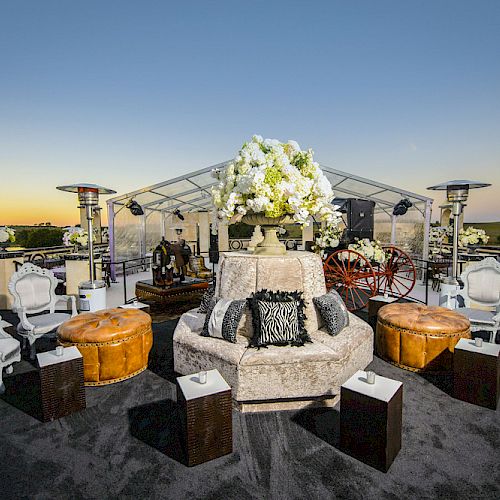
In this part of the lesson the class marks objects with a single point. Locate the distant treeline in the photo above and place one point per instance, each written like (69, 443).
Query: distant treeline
(34, 237)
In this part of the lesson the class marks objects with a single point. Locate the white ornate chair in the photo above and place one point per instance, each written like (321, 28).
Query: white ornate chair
(10, 352)
(33, 289)
(482, 287)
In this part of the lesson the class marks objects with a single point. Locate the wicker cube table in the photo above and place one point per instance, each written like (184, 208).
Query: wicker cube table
(61, 378)
(371, 419)
(206, 417)
(476, 373)
(374, 304)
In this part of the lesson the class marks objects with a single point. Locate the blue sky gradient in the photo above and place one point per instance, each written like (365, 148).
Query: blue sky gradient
(130, 93)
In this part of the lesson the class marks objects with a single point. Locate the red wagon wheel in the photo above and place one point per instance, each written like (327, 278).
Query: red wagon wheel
(352, 276)
(397, 276)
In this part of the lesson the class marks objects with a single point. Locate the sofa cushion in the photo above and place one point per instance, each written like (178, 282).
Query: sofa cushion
(278, 355)
(346, 340)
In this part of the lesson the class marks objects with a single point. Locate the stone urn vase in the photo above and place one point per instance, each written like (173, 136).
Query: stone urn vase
(270, 245)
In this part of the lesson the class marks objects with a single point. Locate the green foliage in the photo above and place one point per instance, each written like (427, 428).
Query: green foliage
(39, 237)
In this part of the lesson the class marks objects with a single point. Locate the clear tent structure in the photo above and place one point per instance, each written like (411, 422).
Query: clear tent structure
(189, 195)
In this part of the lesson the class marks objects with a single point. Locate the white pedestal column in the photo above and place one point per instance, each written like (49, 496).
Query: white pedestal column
(78, 271)
(7, 269)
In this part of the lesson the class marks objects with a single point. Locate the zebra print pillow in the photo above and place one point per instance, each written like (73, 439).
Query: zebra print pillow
(278, 318)
(333, 311)
(223, 318)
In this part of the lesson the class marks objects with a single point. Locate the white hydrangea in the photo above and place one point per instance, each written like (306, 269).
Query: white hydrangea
(75, 236)
(371, 250)
(7, 234)
(274, 179)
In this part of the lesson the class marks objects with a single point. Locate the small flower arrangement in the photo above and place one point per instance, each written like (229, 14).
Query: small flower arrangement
(75, 236)
(329, 237)
(7, 234)
(371, 250)
(274, 179)
(472, 236)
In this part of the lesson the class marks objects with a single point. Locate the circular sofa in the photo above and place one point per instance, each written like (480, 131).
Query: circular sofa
(275, 377)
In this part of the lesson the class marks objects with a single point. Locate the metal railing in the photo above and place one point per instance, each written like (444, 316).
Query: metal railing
(110, 269)
(49, 257)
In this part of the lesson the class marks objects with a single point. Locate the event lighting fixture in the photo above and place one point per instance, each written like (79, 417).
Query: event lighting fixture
(402, 207)
(177, 212)
(134, 207)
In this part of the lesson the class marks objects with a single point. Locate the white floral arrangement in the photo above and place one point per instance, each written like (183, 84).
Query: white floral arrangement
(472, 236)
(7, 234)
(75, 236)
(371, 250)
(329, 237)
(274, 179)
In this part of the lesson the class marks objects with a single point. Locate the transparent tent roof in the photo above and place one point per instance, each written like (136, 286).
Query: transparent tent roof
(191, 192)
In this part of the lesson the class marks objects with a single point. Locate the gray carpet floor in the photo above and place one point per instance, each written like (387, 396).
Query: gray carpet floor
(125, 445)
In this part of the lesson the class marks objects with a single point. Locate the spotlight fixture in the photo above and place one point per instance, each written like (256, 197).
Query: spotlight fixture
(134, 207)
(178, 230)
(402, 207)
(177, 212)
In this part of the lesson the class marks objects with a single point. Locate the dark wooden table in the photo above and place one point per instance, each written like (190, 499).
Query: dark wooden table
(476, 373)
(374, 304)
(178, 292)
(61, 379)
(206, 417)
(371, 419)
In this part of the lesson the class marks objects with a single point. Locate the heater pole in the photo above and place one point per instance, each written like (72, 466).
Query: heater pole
(457, 210)
(90, 230)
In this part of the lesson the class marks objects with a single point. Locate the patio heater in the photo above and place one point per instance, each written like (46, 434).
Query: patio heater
(457, 192)
(92, 293)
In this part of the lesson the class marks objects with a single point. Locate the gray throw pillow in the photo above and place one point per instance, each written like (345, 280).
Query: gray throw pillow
(333, 311)
(205, 300)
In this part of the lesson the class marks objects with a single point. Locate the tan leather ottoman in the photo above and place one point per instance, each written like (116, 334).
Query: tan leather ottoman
(114, 343)
(418, 337)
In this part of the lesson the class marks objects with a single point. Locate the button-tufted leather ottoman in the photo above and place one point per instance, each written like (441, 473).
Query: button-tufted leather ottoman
(114, 343)
(418, 337)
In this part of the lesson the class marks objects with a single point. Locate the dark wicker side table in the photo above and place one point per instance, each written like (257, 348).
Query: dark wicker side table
(206, 417)
(476, 373)
(374, 304)
(371, 419)
(61, 378)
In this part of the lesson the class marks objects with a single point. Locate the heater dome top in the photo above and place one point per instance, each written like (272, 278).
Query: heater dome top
(75, 188)
(459, 183)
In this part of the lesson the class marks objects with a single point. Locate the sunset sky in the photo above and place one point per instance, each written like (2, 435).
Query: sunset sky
(130, 93)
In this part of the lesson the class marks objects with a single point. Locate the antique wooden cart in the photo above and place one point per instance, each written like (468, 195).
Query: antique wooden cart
(356, 279)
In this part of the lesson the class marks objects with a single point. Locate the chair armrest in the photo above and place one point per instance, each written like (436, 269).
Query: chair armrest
(21, 312)
(60, 298)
